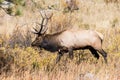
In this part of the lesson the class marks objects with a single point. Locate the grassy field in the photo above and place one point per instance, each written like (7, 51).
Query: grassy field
(20, 61)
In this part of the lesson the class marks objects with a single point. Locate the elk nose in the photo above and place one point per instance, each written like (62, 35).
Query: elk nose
(32, 44)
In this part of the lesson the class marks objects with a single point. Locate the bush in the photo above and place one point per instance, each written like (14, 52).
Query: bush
(1, 1)
(18, 2)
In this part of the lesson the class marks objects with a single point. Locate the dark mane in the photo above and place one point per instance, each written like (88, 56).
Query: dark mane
(52, 42)
(55, 34)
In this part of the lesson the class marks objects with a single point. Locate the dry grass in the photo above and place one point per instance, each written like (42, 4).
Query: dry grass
(25, 63)
(70, 71)
(19, 61)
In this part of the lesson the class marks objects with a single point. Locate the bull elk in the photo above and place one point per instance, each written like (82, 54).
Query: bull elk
(68, 41)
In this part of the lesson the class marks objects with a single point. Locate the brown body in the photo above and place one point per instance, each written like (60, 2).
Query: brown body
(69, 40)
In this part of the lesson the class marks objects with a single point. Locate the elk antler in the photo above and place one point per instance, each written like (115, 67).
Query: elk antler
(43, 27)
(42, 23)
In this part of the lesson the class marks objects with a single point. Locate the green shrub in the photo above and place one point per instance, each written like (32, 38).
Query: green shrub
(18, 2)
(18, 11)
(1, 1)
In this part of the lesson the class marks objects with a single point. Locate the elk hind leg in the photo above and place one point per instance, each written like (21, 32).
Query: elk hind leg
(94, 52)
(104, 54)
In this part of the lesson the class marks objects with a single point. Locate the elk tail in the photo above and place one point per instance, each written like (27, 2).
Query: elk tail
(100, 35)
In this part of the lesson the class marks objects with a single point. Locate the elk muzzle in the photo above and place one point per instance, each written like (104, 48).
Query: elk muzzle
(33, 44)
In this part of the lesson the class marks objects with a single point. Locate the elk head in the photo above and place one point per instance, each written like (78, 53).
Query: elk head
(43, 28)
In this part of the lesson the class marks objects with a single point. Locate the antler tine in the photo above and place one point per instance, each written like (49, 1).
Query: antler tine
(45, 29)
(35, 30)
(48, 17)
(44, 22)
(41, 14)
(41, 24)
(45, 15)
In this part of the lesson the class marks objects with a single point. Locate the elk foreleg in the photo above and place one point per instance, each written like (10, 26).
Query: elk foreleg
(104, 54)
(70, 53)
(59, 55)
(94, 52)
